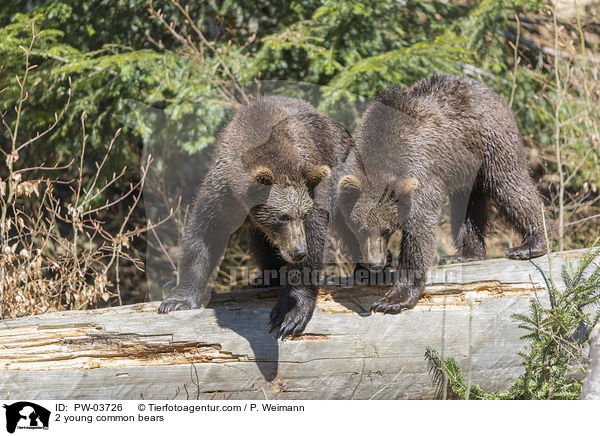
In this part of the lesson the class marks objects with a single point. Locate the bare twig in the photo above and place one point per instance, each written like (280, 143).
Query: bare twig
(57, 252)
(559, 164)
(516, 61)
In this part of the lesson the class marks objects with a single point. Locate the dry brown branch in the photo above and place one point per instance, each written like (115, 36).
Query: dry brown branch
(198, 48)
(61, 253)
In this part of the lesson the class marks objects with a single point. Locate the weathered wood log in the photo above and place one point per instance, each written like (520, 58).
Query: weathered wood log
(591, 384)
(225, 350)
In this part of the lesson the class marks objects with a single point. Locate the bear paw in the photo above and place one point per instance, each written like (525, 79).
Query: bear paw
(394, 303)
(178, 302)
(290, 315)
(525, 252)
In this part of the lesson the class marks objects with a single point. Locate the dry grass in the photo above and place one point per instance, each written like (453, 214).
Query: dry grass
(59, 254)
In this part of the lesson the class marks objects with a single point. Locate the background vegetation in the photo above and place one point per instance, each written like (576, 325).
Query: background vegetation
(67, 80)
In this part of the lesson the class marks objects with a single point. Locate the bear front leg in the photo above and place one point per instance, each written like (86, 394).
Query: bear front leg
(199, 259)
(295, 306)
(409, 282)
(204, 242)
(293, 311)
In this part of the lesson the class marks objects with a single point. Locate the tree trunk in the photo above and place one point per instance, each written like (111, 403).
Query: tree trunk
(225, 351)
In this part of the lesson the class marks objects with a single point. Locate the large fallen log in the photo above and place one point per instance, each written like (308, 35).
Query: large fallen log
(591, 384)
(225, 350)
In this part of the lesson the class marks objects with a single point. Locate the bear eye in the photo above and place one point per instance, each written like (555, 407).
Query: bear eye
(284, 217)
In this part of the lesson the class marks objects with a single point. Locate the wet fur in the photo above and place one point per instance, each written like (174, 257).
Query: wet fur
(456, 137)
(267, 171)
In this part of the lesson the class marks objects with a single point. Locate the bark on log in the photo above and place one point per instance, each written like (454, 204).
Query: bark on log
(225, 351)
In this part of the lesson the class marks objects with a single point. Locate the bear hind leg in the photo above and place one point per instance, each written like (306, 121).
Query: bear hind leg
(518, 200)
(469, 216)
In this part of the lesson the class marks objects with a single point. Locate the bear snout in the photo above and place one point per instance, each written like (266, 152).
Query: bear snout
(298, 241)
(375, 253)
(299, 254)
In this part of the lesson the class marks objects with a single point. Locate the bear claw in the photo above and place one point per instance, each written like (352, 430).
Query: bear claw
(392, 304)
(288, 318)
(525, 252)
(383, 307)
(290, 324)
(176, 302)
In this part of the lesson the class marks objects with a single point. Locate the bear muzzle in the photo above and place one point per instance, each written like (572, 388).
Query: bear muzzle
(298, 245)
(375, 253)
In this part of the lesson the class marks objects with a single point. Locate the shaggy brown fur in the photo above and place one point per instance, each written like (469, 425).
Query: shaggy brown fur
(267, 169)
(444, 135)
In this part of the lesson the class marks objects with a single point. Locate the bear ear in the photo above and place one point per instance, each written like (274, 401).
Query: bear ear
(403, 187)
(316, 174)
(349, 185)
(263, 175)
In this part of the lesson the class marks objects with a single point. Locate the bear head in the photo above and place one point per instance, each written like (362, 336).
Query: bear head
(288, 200)
(374, 211)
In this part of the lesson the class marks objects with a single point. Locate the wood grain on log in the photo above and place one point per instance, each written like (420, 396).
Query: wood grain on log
(225, 350)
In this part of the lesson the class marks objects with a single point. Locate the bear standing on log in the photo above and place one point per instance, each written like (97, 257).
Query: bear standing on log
(267, 171)
(444, 135)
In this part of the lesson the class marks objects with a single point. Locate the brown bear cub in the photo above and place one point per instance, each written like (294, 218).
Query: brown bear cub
(267, 171)
(444, 135)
